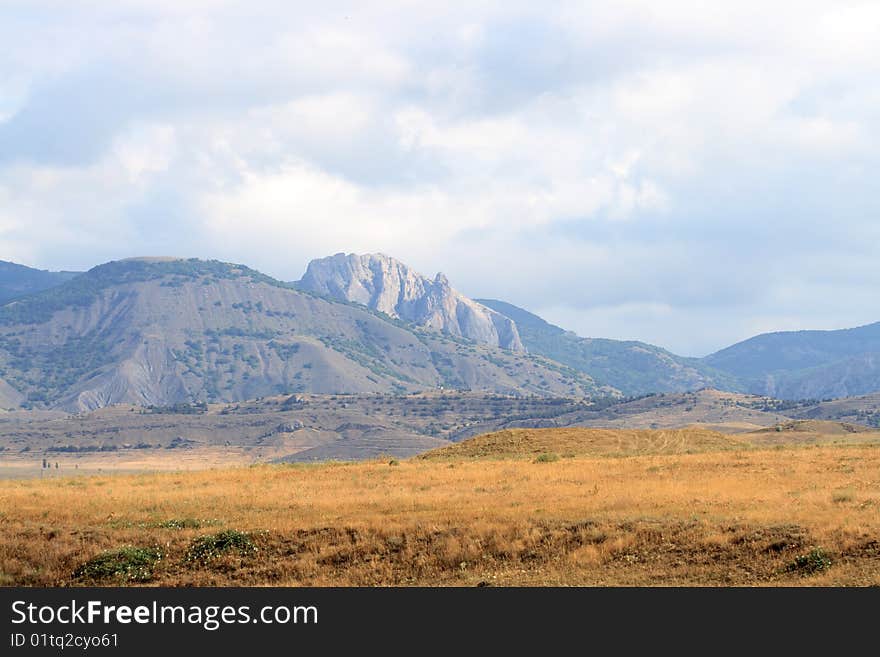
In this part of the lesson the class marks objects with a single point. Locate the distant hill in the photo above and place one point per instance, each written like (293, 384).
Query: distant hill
(634, 368)
(785, 365)
(806, 364)
(864, 410)
(825, 427)
(728, 412)
(164, 331)
(18, 280)
(388, 285)
(553, 443)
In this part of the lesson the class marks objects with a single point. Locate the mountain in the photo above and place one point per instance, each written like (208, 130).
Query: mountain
(159, 331)
(806, 364)
(786, 365)
(155, 331)
(634, 368)
(389, 286)
(18, 280)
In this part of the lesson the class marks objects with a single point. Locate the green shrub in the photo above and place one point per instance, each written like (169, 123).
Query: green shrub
(547, 457)
(812, 562)
(180, 523)
(127, 564)
(205, 548)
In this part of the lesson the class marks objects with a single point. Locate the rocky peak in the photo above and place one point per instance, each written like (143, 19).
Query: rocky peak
(388, 285)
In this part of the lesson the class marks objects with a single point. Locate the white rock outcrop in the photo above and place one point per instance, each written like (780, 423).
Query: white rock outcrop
(385, 284)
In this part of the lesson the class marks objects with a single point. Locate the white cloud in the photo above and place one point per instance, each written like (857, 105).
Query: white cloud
(634, 166)
(145, 149)
(302, 212)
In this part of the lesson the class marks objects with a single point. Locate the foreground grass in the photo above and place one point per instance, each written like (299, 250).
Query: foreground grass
(795, 516)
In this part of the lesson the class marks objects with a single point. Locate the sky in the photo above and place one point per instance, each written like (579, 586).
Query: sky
(688, 174)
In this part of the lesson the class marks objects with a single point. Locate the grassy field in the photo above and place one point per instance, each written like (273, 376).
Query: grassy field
(28, 466)
(545, 511)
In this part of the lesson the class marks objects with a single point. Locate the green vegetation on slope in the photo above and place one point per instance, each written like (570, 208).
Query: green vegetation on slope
(634, 368)
(17, 280)
(795, 350)
(795, 364)
(84, 289)
(788, 365)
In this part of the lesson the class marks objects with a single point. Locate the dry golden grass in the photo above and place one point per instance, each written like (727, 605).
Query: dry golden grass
(713, 518)
(28, 466)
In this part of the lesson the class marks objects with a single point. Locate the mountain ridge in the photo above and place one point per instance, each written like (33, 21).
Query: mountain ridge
(808, 363)
(785, 364)
(20, 280)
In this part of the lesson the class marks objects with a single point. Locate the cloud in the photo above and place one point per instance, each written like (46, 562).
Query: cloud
(670, 172)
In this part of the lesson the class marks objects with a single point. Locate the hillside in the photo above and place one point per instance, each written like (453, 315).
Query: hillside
(813, 432)
(162, 331)
(864, 410)
(806, 364)
(551, 444)
(311, 427)
(389, 286)
(578, 441)
(17, 280)
(825, 427)
(785, 365)
(725, 411)
(299, 427)
(634, 368)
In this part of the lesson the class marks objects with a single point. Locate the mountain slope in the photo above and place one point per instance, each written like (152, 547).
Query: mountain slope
(18, 280)
(157, 331)
(795, 350)
(387, 285)
(785, 365)
(153, 331)
(864, 410)
(806, 364)
(634, 368)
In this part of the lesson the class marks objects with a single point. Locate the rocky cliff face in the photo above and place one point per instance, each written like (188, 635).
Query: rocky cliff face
(385, 284)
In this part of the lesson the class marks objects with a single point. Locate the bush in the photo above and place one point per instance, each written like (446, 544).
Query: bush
(127, 564)
(812, 562)
(180, 523)
(205, 548)
(547, 457)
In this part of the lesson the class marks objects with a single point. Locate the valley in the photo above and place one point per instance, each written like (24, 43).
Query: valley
(520, 508)
(353, 427)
